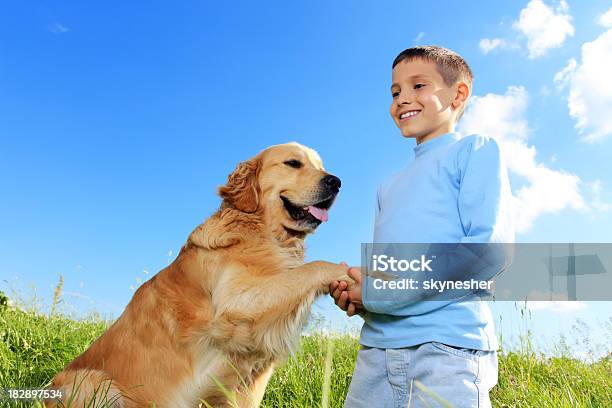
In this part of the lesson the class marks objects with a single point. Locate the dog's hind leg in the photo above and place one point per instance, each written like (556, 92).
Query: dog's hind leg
(87, 388)
(252, 396)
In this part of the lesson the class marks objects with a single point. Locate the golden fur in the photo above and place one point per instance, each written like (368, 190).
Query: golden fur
(213, 324)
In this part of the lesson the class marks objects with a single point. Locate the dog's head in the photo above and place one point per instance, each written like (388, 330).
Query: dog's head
(285, 183)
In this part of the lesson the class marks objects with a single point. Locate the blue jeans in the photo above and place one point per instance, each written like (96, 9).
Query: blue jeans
(428, 375)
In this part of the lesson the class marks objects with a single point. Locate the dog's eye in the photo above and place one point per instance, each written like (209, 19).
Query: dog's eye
(296, 164)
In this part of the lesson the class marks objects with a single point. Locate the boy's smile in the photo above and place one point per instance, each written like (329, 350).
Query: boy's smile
(404, 116)
(423, 105)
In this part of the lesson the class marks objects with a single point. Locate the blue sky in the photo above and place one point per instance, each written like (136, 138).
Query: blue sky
(118, 121)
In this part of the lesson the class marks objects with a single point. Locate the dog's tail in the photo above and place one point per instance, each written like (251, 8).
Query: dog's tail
(86, 388)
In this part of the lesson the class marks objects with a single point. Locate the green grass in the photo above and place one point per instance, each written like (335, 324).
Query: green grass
(33, 347)
(299, 382)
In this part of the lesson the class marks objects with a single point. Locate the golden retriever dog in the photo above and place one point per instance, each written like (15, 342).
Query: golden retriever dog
(212, 325)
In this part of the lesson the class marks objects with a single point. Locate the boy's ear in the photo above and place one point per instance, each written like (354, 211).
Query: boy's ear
(463, 93)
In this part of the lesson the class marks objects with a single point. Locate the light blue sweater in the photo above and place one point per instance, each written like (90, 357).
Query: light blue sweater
(455, 191)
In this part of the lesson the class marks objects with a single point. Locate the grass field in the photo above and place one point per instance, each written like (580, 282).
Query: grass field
(34, 346)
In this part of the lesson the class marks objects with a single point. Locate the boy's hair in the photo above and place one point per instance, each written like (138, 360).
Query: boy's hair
(451, 66)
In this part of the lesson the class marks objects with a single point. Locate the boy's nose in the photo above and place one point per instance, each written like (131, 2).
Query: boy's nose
(404, 99)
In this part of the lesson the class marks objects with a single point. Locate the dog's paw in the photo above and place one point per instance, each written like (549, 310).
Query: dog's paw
(344, 277)
(350, 281)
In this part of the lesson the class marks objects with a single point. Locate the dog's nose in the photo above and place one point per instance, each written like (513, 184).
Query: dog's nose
(331, 181)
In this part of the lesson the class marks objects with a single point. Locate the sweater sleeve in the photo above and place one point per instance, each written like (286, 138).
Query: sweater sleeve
(485, 198)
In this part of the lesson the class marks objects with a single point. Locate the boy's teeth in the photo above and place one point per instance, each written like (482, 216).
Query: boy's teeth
(408, 114)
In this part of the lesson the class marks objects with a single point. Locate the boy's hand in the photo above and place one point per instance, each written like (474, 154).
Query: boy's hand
(354, 291)
(348, 299)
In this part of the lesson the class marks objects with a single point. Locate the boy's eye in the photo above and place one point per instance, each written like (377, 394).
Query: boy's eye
(419, 86)
(296, 164)
(395, 94)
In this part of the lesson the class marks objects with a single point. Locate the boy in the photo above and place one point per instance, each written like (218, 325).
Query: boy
(455, 191)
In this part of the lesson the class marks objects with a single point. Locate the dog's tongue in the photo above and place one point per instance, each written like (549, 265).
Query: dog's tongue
(319, 213)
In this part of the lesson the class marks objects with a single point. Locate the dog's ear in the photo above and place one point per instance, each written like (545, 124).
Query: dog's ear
(242, 188)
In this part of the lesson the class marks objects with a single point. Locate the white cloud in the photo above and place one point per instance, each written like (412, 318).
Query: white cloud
(544, 91)
(557, 306)
(546, 190)
(419, 37)
(562, 77)
(590, 88)
(487, 45)
(501, 116)
(58, 28)
(595, 188)
(605, 19)
(544, 27)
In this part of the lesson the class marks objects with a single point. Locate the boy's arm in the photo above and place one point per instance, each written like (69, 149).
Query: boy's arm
(485, 198)
(484, 205)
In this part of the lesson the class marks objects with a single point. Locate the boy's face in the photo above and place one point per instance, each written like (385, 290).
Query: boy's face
(423, 106)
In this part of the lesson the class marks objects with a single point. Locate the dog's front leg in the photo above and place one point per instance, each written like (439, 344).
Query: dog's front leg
(249, 309)
(325, 273)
